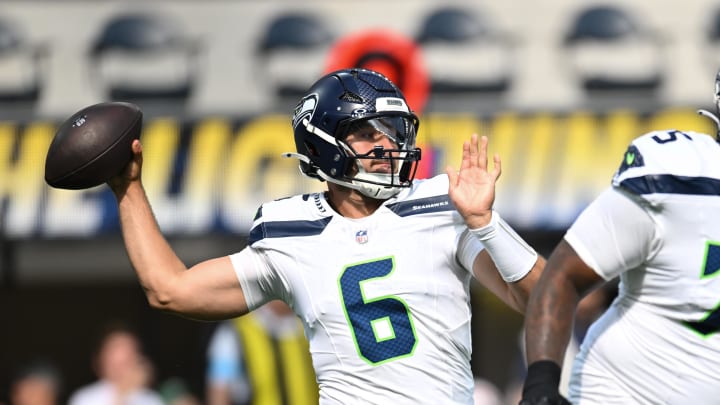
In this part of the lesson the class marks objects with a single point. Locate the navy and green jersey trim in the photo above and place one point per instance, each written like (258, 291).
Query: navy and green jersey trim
(283, 229)
(672, 184)
(426, 205)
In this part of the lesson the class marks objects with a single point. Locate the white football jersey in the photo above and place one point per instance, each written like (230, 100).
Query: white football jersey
(384, 300)
(658, 229)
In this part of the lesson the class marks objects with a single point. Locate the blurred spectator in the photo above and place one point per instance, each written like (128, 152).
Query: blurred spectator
(261, 357)
(39, 383)
(124, 373)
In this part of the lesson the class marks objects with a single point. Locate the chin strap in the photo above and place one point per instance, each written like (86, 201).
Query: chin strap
(714, 118)
(368, 189)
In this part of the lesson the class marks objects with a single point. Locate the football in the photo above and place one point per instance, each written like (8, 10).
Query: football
(93, 145)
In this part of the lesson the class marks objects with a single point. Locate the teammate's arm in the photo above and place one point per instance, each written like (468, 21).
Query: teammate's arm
(552, 305)
(208, 291)
(549, 319)
(612, 235)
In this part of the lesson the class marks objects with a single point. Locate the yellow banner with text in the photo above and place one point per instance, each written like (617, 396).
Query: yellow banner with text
(212, 174)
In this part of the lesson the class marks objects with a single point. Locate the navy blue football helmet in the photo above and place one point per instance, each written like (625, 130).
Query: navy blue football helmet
(337, 104)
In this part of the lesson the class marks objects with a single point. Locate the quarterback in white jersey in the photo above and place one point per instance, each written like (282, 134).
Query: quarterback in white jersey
(377, 267)
(657, 228)
(377, 313)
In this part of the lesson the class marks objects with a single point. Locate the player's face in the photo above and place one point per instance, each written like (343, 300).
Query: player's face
(364, 139)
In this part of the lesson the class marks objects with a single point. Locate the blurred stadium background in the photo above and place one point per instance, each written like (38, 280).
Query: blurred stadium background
(560, 86)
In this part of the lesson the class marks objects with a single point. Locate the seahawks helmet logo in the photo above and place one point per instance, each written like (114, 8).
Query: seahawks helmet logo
(305, 109)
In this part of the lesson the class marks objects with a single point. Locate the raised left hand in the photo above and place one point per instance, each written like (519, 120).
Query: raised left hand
(472, 188)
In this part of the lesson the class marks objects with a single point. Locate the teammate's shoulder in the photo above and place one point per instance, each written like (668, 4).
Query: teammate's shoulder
(669, 150)
(656, 160)
(654, 139)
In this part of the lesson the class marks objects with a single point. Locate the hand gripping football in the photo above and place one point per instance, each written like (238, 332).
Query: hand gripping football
(93, 145)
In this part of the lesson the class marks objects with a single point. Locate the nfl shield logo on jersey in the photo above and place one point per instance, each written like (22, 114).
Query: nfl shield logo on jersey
(361, 237)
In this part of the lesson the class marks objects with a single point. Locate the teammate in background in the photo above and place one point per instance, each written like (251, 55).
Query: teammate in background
(261, 358)
(657, 228)
(377, 267)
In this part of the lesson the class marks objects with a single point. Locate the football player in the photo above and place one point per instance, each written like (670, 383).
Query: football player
(377, 267)
(657, 228)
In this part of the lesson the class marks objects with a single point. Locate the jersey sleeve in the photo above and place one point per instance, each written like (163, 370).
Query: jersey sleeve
(613, 234)
(259, 280)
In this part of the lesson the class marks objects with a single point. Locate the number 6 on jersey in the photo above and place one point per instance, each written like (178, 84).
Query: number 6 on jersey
(382, 327)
